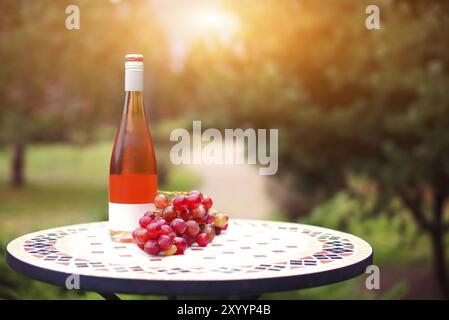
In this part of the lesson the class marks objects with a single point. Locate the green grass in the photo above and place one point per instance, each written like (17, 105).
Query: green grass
(66, 184)
(349, 289)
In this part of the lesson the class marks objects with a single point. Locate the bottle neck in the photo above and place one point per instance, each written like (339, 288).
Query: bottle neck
(134, 80)
(134, 106)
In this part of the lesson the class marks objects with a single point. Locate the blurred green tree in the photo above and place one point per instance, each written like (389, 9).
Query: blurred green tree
(347, 101)
(60, 85)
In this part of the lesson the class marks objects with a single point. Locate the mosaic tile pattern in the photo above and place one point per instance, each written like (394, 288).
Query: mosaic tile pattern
(249, 249)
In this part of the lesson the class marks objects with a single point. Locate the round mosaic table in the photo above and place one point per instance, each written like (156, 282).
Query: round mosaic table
(252, 257)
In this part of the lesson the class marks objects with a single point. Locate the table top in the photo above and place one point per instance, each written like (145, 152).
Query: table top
(251, 257)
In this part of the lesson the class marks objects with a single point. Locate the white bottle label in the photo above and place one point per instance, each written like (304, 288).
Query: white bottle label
(134, 80)
(125, 217)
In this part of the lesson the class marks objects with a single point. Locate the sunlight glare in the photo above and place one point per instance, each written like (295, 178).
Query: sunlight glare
(218, 21)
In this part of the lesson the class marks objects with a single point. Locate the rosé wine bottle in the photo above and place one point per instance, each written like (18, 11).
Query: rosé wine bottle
(133, 170)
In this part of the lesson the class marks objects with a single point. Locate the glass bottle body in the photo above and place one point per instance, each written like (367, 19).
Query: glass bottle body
(133, 170)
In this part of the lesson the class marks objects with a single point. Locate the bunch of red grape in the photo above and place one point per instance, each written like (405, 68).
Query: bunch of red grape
(179, 223)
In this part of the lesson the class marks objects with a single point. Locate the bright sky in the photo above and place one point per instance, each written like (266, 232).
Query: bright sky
(187, 20)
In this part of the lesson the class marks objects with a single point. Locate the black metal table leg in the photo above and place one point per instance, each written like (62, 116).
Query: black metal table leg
(250, 297)
(109, 296)
(238, 297)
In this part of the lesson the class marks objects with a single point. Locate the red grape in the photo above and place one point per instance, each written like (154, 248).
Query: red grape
(169, 213)
(199, 213)
(190, 240)
(193, 201)
(198, 193)
(210, 231)
(207, 202)
(181, 245)
(150, 214)
(164, 242)
(156, 218)
(161, 201)
(154, 230)
(178, 225)
(180, 202)
(186, 214)
(144, 221)
(151, 247)
(160, 222)
(202, 239)
(168, 231)
(140, 235)
(210, 219)
(217, 231)
(192, 228)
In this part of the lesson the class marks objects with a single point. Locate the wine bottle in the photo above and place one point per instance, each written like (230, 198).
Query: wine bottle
(133, 170)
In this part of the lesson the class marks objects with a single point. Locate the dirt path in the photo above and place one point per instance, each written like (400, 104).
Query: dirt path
(238, 190)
